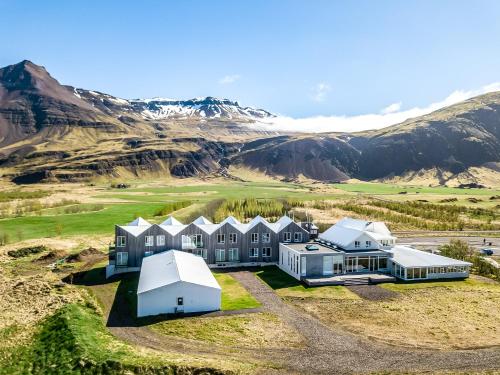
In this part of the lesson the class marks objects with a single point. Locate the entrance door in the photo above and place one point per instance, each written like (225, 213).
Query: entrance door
(180, 304)
(373, 264)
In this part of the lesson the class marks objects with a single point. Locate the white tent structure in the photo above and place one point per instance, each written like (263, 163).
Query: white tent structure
(175, 281)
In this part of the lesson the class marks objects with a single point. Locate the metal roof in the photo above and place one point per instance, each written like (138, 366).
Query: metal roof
(409, 257)
(174, 266)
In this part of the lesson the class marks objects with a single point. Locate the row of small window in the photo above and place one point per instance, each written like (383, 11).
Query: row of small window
(357, 244)
(233, 254)
(196, 239)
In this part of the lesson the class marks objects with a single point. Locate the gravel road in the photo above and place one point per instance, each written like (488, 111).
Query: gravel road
(331, 351)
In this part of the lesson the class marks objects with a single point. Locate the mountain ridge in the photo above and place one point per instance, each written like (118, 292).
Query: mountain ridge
(50, 131)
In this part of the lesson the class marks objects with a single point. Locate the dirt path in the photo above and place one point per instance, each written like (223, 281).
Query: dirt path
(336, 351)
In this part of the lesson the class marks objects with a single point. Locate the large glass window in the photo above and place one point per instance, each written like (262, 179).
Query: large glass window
(220, 255)
(363, 264)
(201, 253)
(120, 241)
(160, 240)
(234, 255)
(328, 265)
(121, 258)
(382, 263)
(253, 252)
(192, 241)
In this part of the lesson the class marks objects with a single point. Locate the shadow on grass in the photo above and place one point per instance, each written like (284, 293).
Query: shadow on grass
(123, 310)
(276, 278)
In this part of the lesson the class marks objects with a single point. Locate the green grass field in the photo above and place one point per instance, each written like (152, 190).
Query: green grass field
(379, 188)
(234, 296)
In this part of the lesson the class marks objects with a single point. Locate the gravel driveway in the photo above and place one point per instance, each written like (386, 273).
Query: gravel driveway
(331, 351)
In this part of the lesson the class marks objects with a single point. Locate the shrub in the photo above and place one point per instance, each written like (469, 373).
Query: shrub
(25, 251)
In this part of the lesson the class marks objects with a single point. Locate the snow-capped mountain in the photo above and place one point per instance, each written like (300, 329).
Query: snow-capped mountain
(164, 108)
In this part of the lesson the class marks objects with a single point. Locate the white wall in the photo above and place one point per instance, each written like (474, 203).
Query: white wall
(285, 253)
(197, 298)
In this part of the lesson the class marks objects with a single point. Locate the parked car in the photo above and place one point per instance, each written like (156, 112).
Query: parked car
(486, 251)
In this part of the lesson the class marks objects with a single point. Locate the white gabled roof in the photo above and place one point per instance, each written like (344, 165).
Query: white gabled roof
(174, 266)
(347, 230)
(208, 228)
(172, 229)
(139, 222)
(409, 257)
(171, 221)
(340, 235)
(230, 220)
(284, 221)
(136, 227)
(202, 220)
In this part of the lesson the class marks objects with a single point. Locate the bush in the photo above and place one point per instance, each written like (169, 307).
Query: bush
(25, 251)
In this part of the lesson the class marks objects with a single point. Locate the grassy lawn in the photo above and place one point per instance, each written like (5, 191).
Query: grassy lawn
(380, 188)
(234, 296)
(286, 286)
(438, 315)
(261, 330)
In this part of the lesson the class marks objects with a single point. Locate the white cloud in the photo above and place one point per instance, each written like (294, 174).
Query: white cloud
(227, 80)
(390, 115)
(319, 91)
(394, 107)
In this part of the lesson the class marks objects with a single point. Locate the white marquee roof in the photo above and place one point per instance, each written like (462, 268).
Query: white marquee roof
(409, 257)
(174, 266)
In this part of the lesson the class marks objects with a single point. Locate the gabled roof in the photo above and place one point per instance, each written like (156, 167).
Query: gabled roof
(284, 221)
(208, 228)
(202, 220)
(230, 220)
(136, 227)
(174, 266)
(139, 222)
(363, 225)
(171, 221)
(340, 235)
(409, 257)
(173, 229)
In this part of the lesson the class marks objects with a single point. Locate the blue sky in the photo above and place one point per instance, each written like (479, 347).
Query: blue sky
(300, 59)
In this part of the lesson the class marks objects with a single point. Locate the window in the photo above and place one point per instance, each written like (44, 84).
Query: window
(382, 263)
(192, 241)
(148, 253)
(180, 301)
(266, 252)
(233, 237)
(201, 253)
(255, 237)
(357, 244)
(120, 241)
(266, 237)
(297, 237)
(160, 240)
(121, 258)
(303, 266)
(234, 255)
(220, 255)
(368, 243)
(287, 236)
(253, 252)
(149, 240)
(221, 238)
(328, 265)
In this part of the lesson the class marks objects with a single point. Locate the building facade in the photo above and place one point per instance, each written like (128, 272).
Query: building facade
(229, 243)
(353, 247)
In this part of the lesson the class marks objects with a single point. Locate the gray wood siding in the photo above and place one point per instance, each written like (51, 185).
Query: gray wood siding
(136, 246)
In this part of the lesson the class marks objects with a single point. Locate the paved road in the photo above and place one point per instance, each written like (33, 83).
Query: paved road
(433, 242)
(331, 351)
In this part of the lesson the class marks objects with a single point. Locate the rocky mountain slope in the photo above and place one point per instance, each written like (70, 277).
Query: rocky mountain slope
(49, 131)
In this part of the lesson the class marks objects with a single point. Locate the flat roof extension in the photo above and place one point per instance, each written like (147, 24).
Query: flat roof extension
(302, 248)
